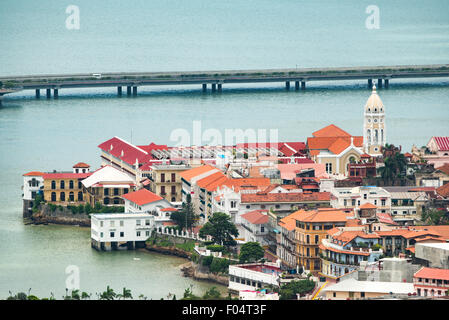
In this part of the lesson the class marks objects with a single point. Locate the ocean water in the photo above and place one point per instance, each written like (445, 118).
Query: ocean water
(190, 35)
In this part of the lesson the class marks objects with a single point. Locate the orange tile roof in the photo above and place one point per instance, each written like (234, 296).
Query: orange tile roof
(331, 131)
(247, 182)
(444, 168)
(442, 230)
(348, 236)
(322, 215)
(353, 223)
(34, 173)
(211, 182)
(141, 197)
(443, 190)
(289, 222)
(294, 197)
(81, 165)
(189, 174)
(359, 253)
(334, 144)
(368, 206)
(256, 216)
(432, 273)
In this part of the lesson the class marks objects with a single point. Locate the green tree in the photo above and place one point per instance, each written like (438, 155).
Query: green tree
(435, 217)
(288, 291)
(109, 294)
(221, 229)
(186, 217)
(212, 294)
(126, 294)
(251, 252)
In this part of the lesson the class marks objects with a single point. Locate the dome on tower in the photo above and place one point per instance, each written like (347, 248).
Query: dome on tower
(374, 104)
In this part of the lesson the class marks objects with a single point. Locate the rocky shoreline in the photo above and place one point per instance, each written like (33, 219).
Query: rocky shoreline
(61, 216)
(189, 269)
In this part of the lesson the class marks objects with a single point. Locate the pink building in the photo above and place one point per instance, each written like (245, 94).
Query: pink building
(439, 148)
(431, 282)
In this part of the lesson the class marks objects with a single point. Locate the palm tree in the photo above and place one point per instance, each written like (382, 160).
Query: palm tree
(109, 294)
(126, 294)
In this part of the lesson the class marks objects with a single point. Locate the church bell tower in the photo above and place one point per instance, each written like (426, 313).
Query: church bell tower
(374, 127)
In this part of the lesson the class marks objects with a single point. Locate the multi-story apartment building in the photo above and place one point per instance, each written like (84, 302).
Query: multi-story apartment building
(255, 225)
(286, 241)
(431, 282)
(33, 184)
(311, 228)
(351, 199)
(343, 250)
(165, 180)
(64, 188)
(407, 207)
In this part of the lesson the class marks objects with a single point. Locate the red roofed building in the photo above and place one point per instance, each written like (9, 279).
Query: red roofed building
(335, 148)
(431, 282)
(144, 200)
(64, 188)
(255, 224)
(439, 151)
(81, 167)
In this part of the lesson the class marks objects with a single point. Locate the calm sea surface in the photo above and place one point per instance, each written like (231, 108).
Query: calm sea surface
(189, 35)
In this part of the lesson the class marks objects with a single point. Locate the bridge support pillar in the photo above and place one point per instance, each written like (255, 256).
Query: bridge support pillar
(134, 91)
(379, 83)
(214, 87)
(387, 83)
(287, 85)
(128, 90)
(119, 91)
(55, 93)
(204, 87)
(219, 87)
(48, 93)
(296, 85)
(370, 83)
(303, 85)
(38, 93)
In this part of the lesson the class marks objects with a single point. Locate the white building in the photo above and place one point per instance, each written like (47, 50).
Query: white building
(253, 276)
(120, 230)
(374, 128)
(33, 184)
(353, 198)
(255, 224)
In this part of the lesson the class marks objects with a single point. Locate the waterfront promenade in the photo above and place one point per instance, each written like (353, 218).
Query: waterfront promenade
(216, 79)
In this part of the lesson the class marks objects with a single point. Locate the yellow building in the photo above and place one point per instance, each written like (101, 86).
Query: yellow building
(165, 180)
(311, 228)
(64, 188)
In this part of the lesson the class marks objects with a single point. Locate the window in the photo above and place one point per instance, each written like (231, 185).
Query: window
(101, 234)
(106, 191)
(80, 196)
(262, 206)
(71, 184)
(248, 206)
(137, 222)
(262, 229)
(345, 202)
(173, 189)
(317, 239)
(234, 204)
(162, 177)
(277, 206)
(329, 167)
(147, 233)
(353, 202)
(101, 223)
(375, 202)
(138, 233)
(116, 192)
(147, 222)
(80, 185)
(162, 189)
(122, 223)
(365, 196)
(112, 223)
(106, 201)
(53, 196)
(122, 234)
(112, 234)
(362, 294)
(62, 196)
(383, 202)
(125, 191)
(173, 177)
(62, 184)
(71, 196)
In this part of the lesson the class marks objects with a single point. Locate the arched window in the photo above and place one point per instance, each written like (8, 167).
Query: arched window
(62, 184)
(117, 201)
(71, 196)
(381, 136)
(106, 201)
(80, 196)
(368, 136)
(376, 136)
(53, 196)
(71, 184)
(53, 184)
(62, 196)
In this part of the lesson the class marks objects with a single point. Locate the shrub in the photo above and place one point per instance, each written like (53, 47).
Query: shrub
(376, 247)
(215, 248)
(207, 261)
(219, 266)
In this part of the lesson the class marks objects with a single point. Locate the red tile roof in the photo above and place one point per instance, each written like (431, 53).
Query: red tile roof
(211, 182)
(34, 173)
(65, 175)
(142, 196)
(385, 218)
(125, 151)
(81, 165)
(444, 168)
(294, 197)
(367, 206)
(443, 190)
(432, 273)
(256, 216)
(169, 209)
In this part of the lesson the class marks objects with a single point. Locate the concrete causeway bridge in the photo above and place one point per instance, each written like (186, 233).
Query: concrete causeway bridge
(216, 79)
